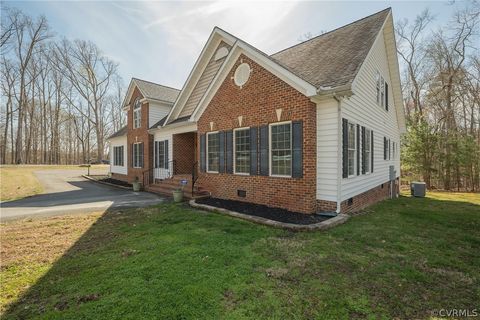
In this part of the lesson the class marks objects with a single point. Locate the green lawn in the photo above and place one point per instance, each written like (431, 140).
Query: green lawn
(404, 259)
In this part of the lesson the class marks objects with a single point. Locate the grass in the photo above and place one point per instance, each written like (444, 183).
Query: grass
(19, 181)
(403, 259)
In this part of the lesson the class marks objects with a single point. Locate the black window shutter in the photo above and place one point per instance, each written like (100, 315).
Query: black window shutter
(131, 155)
(229, 137)
(384, 148)
(166, 153)
(155, 152)
(264, 151)
(202, 152)
(297, 146)
(386, 96)
(363, 151)
(371, 152)
(358, 149)
(141, 155)
(345, 148)
(389, 149)
(221, 149)
(253, 151)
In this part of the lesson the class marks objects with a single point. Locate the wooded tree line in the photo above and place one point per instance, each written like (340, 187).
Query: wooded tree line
(60, 98)
(441, 89)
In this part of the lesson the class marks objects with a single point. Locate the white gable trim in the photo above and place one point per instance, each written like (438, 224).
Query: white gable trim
(391, 50)
(128, 96)
(208, 51)
(266, 62)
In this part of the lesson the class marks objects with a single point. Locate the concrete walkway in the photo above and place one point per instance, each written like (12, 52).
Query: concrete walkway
(66, 192)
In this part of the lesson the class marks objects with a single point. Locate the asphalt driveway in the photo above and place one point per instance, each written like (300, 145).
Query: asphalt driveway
(67, 192)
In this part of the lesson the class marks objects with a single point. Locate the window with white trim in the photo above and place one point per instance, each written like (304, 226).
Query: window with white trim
(118, 156)
(137, 114)
(381, 87)
(281, 149)
(382, 93)
(137, 155)
(213, 151)
(352, 154)
(368, 148)
(242, 150)
(161, 154)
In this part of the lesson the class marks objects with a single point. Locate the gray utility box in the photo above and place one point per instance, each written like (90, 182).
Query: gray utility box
(418, 189)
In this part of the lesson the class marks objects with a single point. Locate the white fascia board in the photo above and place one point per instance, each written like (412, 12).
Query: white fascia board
(215, 38)
(242, 48)
(129, 94)
(175, 128)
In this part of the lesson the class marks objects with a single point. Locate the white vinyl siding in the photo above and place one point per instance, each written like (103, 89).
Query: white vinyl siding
(114, 144)
(203, 82)
(157, 111)
(327, 150)
(359, 108)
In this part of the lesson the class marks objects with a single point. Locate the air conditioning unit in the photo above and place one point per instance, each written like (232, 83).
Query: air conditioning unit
(418, 189)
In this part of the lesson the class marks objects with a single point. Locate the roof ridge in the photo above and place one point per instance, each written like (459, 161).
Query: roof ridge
(157, 84)
(336, 29)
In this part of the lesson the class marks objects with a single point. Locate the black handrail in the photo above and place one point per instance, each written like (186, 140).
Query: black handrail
(194, 175)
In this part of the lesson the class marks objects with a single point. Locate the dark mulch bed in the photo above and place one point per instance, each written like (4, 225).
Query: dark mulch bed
(117, 182)
(257, 210)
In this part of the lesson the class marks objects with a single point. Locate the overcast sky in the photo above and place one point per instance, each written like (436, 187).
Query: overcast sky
(160, 41)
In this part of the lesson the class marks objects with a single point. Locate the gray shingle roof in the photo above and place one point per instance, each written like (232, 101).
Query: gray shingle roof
(119, 133)
(156, 91)
(159, 122)
(333, 58)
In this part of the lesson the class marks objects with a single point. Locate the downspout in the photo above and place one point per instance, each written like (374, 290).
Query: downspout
(339, 152)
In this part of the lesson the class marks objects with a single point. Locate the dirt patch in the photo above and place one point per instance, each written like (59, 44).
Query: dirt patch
(88, 298)
(266, 212)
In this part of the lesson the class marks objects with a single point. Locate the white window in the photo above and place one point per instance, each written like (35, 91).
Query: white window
(352, 154)
(118, 156)
(382, 93)
(137, 114)
(213, 151)
(242, 150)
(137, 155)
(381, 87)
(161, 154)
(281, 149)
(368, 148)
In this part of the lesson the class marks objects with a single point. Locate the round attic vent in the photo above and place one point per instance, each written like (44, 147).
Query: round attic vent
(242, 74)
(221, 53)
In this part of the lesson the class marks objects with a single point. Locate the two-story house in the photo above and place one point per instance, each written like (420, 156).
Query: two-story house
(315, 127)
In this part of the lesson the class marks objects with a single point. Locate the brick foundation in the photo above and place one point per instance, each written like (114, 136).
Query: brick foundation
(257, 102)
(121, 177)
(360, 201)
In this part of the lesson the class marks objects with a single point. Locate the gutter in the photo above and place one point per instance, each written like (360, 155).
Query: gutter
(339, 153)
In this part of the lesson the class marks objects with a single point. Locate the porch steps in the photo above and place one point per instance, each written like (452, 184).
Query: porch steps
(167, 186)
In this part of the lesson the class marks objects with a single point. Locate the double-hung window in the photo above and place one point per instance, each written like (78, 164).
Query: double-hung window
(352, 154)
(161, 154)
(213, 151)
(281, 149)
(137, 114)
(378, 81)
(118, 156)
(137, 155)
(242, 150)
(368, 148)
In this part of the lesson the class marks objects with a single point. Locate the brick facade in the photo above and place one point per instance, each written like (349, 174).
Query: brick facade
(257, 102)
(138, 135)
(184, 152)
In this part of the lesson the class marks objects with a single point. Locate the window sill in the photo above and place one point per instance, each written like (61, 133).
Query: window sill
(279, 176)
(241, 174)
